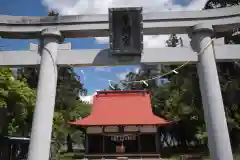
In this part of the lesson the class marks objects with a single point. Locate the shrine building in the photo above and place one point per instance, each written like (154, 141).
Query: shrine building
(121, 124)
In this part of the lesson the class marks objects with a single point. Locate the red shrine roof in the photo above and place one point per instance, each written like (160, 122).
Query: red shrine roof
(113, 108)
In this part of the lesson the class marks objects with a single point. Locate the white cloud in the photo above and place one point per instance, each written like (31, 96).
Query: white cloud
(149, 41)
(102, 69)
(122, 75)
(82, 71)
(83, 74)
(74, 7)
(89, 98)
(137, 70)
(102, 40)
(156, 41)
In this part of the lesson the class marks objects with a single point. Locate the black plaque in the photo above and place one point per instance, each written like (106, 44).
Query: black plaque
(126, 31)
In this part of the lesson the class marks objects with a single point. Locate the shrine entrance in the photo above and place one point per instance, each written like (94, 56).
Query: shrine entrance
(120, 143)
(121, 124)
(124, 143)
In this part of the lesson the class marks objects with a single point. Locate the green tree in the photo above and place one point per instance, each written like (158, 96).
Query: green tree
(135, 81)
(68, 106)
(114, 86)
(17, 101)
(211, 4)
(174, 41)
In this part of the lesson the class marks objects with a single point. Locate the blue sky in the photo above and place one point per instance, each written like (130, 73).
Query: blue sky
(93, 78)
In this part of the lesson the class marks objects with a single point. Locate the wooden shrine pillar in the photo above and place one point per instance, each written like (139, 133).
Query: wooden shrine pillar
(157, 142)
(86, 144)
(103, 144)
(139, 143)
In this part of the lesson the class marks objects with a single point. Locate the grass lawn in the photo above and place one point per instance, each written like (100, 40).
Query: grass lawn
(66, 156)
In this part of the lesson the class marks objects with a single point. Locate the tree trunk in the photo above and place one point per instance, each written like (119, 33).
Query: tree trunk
(69, 143)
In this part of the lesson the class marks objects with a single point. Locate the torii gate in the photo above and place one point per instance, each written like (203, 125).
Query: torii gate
(200, 25)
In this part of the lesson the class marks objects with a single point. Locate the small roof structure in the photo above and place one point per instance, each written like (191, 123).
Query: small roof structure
(121, 108)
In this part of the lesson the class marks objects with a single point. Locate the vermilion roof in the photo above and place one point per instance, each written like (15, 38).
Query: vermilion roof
(112, 108)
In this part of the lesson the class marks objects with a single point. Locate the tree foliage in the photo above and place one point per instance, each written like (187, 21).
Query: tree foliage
(17, 102)
(221, 3)
(68, 106)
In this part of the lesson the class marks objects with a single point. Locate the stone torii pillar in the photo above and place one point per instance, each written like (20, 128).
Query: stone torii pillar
(41, 133)
(218, 136)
